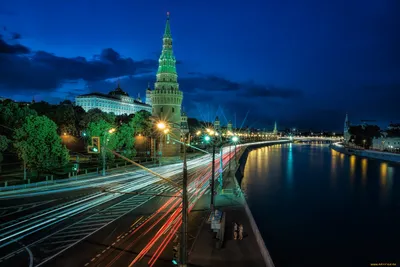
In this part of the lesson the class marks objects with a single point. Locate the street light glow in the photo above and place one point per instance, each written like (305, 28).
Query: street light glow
(161, 125)
(198, 133)
(235, 139)
(166, 131)
(111, 130)
(207, 138)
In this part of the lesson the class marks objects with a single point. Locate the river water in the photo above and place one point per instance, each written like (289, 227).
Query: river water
(317, 207)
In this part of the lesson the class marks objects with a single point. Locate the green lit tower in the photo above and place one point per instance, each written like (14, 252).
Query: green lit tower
(166, 96)
(275, 129)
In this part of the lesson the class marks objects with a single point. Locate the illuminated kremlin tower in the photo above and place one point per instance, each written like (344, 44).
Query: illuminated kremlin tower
(166, 98)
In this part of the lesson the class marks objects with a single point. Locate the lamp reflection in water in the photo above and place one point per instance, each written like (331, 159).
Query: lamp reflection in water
(290, 164)
(334, 156)
(352, 167)
(341, 159)
(364, 166)
(383, 173)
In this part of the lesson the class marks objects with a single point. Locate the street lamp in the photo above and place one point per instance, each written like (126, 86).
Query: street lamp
(208, 138)
(235, 140)
(103, 151)
(183, 253)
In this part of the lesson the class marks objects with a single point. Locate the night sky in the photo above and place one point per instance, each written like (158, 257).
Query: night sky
(302, 63)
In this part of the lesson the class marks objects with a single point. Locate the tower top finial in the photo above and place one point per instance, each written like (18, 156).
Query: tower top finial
(167, 32)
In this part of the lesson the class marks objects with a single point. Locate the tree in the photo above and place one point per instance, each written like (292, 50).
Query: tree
(38, 144)
(126, 139)
(101, 128)
(65, 119)
(95, 115)
(142, 123)
(363, 135)
(3, 146)
(13, 116)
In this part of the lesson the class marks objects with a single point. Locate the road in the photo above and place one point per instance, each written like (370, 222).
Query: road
(80, 224)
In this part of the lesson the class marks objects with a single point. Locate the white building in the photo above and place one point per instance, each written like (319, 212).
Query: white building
(117, 102)
(386, 143)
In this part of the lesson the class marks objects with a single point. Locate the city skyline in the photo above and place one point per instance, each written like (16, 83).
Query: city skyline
(277, 62)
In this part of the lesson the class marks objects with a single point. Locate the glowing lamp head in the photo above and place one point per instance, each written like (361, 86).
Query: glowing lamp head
(166, 131)
(161, 125)
(111, 130)
(235, 139)
(207, 138)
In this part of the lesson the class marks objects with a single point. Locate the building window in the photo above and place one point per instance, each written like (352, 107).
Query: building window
(162, 109)
(173, 109)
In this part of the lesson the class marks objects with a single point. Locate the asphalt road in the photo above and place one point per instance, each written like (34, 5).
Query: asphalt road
(80, 224)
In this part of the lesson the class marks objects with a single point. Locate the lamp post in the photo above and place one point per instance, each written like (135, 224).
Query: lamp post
(235, 139)
(103, 149)
(183, 253)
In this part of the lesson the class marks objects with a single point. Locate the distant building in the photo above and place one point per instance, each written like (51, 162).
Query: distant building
(117, 102)
(229, 127)
(217, 124)
(386, 143)
(394, 126)
(148, 95)
(275, 129)
(184, 123)
(346, 133)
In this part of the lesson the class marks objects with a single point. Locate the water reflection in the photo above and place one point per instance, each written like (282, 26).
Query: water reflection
(341, 159)
(334, 156)
(352, 167)
(383, 173)
(290, 164)
(364, 166)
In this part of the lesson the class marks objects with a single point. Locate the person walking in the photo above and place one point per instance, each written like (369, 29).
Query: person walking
(240, 231)
(235, 230)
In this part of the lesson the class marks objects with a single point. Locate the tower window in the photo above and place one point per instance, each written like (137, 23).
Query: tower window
(162, 109)
(173, 109)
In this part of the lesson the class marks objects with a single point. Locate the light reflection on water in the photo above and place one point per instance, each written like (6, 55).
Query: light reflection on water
(313, 204)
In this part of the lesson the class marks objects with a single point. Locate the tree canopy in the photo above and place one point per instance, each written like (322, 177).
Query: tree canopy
(38, 144)
(363, 135)
(142, 123)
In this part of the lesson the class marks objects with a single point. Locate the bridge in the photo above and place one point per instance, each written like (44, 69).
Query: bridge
(315, 139)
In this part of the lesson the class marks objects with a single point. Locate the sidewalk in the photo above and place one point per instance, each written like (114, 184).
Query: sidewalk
(233, 253)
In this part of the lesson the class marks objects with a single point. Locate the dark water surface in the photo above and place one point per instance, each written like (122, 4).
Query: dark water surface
(317, 207)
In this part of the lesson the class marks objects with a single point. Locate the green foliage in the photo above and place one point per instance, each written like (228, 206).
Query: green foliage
(3, 143)
(126, 139)
(44, 108)
(39, 145)
(363, 135)
(3, 146)
(101, 129)
(95, 115)
(65, 119)
(142, 123)
(13, 116)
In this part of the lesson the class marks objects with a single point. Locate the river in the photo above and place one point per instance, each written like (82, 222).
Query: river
(317, 207)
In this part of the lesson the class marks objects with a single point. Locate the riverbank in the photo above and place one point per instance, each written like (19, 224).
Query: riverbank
(379, 155)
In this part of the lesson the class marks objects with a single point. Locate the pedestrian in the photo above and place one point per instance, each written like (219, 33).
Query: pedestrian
(240, 231)
(235, 230)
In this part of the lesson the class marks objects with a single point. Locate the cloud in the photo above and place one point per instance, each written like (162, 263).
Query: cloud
(22, 69)
(271, 91)
(6, 48)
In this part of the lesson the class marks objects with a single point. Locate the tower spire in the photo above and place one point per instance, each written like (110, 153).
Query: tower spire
(167, 32)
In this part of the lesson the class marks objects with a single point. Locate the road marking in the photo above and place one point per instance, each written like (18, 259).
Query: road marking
(93, 259)
(87, 264)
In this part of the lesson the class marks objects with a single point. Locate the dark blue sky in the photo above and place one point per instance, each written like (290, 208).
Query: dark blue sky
(302, 63)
